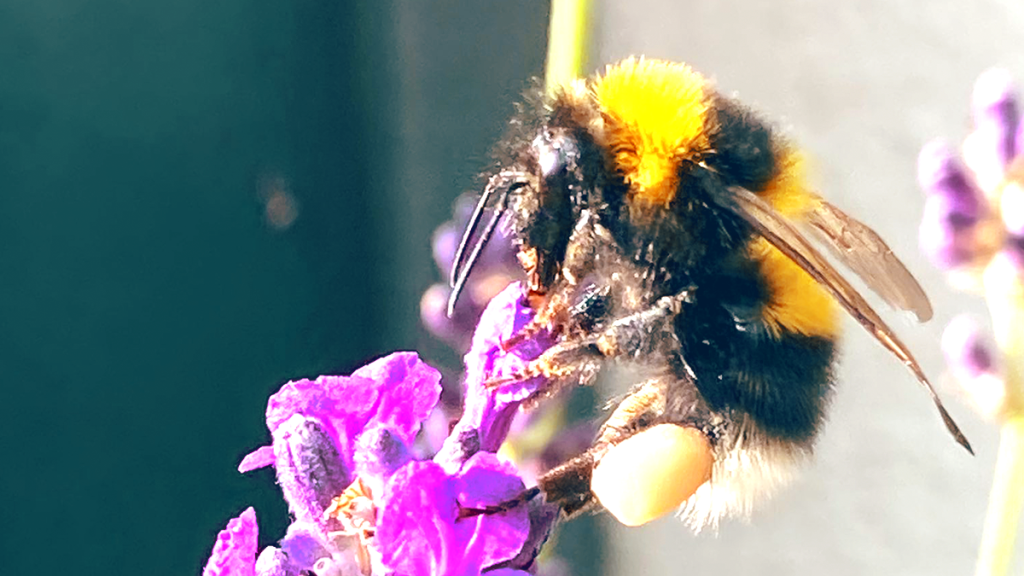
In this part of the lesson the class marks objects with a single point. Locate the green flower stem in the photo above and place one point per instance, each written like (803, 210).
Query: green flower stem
(1004, 291)
(567, 42)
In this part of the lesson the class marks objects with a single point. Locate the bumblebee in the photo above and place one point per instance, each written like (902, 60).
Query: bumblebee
(664, 225)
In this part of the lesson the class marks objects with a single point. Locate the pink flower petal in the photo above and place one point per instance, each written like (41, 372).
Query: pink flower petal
(234, 553)
(258, 458)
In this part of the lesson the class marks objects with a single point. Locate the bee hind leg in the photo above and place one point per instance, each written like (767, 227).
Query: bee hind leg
(567, 486)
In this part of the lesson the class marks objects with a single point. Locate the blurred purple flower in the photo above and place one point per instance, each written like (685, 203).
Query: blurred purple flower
(991, 147)
(952, 209)
(965, 349)
(972, 215)
(971, 360)
(493, 271)
(973, 224)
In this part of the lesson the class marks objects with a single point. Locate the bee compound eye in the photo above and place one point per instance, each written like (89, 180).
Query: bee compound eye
(652, 472)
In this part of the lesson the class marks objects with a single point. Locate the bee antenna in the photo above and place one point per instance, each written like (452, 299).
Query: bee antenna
(461, 270)
(474, 220)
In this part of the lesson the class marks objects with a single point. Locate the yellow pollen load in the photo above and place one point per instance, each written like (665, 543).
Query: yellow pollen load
(652, 472)
(655, 114)
(798, 304)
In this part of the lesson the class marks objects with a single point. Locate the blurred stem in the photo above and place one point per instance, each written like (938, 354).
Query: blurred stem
(1004, 504)
(567, 42)
(1004, 292)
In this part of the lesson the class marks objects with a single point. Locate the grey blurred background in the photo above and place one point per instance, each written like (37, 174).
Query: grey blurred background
(201, 200)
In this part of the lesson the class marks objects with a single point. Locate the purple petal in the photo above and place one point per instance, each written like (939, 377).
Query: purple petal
(309, 468)
(542, 518)
(234, 554)
(342, 404)
(416, 525)
(487, 481)
(505, 316)
(507, 572)
(411, 390)
(258, 458)
(418, 529)
(397, 391)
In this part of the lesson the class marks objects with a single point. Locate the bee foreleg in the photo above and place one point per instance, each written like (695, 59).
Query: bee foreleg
(630, 335)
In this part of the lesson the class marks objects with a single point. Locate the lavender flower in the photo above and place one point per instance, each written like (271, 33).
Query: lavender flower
(363, 499)
(973, 226)
(974, 213)
(986, 255)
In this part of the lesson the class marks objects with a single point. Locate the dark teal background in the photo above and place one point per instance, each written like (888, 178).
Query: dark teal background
(146, 308)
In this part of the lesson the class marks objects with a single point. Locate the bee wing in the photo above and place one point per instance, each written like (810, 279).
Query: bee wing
(864, 252)
(784, 236)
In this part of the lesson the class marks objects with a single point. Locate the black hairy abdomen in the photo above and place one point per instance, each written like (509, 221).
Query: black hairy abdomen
(782, 382)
